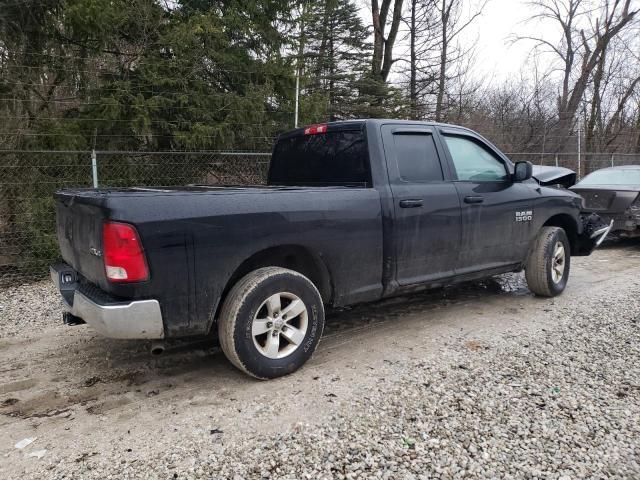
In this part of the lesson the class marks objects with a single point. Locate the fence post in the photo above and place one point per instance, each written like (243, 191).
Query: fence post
(612, 155)
(579, 150)
(94, 168)
(556, 159)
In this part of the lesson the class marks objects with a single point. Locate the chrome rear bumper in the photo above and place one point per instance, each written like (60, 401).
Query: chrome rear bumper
(114, 319)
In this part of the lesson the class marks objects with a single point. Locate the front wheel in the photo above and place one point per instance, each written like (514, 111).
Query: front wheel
(547, 268)
(271, 322)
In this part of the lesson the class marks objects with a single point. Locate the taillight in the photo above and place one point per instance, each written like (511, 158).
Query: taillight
(123, 254)
(315, 129)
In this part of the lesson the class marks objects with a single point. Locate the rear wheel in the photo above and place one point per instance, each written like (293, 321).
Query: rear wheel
(271, 322)
(547, 268)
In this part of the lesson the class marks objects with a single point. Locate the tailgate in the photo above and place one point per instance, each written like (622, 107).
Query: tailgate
(79, 230)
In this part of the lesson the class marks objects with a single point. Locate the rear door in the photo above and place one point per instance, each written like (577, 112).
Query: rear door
(426, 226)
(497, 213)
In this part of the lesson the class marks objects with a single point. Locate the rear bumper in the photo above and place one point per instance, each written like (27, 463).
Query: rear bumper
(108, 316)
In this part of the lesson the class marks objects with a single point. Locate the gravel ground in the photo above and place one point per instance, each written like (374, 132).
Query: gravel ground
(556, 396)
(562, 402)
(17, 306)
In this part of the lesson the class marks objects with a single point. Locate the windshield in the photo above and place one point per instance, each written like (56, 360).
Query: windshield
(332, 158)
(623, 176)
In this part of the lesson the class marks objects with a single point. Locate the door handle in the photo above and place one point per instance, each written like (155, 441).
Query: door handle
(473, 199)
(413, 203)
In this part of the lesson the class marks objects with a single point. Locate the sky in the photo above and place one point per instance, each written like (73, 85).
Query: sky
(496, 56)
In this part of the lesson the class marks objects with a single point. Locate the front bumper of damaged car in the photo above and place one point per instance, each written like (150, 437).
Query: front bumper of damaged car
(594, 231)
(625, 224)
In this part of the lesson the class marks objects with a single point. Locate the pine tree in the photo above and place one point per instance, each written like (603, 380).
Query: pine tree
(335, 53)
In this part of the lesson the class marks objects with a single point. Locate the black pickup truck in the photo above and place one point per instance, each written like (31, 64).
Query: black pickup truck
(353, 212)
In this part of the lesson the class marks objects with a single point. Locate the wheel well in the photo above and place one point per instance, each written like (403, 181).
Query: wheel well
(568, 224)
(293, 257)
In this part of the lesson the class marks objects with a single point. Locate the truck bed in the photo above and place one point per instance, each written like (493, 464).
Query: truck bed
(196, 236)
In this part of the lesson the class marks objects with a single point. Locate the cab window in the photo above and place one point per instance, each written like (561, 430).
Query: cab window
(473, 162)
(417, 158)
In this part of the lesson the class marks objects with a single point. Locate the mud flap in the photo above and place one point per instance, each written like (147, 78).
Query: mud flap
(594, 231)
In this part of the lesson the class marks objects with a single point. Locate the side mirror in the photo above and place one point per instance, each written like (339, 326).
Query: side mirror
(522, 171)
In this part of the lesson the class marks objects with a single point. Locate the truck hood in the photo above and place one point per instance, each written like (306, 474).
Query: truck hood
(547, 176)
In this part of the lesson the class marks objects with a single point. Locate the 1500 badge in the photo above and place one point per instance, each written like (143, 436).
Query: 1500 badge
(524, 216)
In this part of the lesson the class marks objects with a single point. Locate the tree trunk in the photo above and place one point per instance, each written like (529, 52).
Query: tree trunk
(444, 22)
(383, 47)
(636, 148)
(331, 89)
(322, 52)
(378, 37)
(391, 40)
(413, 94)
(595, 113)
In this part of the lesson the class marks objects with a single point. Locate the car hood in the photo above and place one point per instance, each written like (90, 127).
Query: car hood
(547, 176)
(611, 188)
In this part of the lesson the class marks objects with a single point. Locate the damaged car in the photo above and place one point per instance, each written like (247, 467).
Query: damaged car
(614, 194)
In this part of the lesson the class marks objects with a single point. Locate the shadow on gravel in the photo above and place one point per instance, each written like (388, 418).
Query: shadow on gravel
(620, 243)
(97, 374)
(182, 356)
(346, 319)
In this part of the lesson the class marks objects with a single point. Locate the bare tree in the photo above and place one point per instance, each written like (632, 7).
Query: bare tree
(588, 31)
(437, 61)
(622, 83)
(383, 45)
(636, 147)
(451, 24)
(422, 35)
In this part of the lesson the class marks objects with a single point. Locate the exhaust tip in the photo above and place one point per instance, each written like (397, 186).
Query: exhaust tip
(157, 348)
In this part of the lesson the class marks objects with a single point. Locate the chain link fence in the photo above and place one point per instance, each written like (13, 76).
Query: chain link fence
(582, 164)
(28, 180)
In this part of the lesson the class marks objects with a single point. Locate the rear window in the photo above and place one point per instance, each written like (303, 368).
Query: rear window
(623, 176)
(417, 158)
(332, 158)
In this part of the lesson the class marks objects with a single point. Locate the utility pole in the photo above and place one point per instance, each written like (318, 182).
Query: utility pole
(579, 130)
(295, 119)
(94, 160)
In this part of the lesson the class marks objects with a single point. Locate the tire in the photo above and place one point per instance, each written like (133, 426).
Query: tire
(254, 331)
(549, 262)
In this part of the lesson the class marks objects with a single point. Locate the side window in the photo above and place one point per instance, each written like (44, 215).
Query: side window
(417, 157)
(331, 158)
(473, 162)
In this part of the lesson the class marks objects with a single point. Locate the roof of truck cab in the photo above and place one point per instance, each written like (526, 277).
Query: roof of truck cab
(382, 121)
(376, 121)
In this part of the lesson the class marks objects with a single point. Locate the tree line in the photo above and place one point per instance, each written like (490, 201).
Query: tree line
(161, 75)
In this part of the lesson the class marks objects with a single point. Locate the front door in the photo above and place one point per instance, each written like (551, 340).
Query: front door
(497, 213)
(426, 225)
